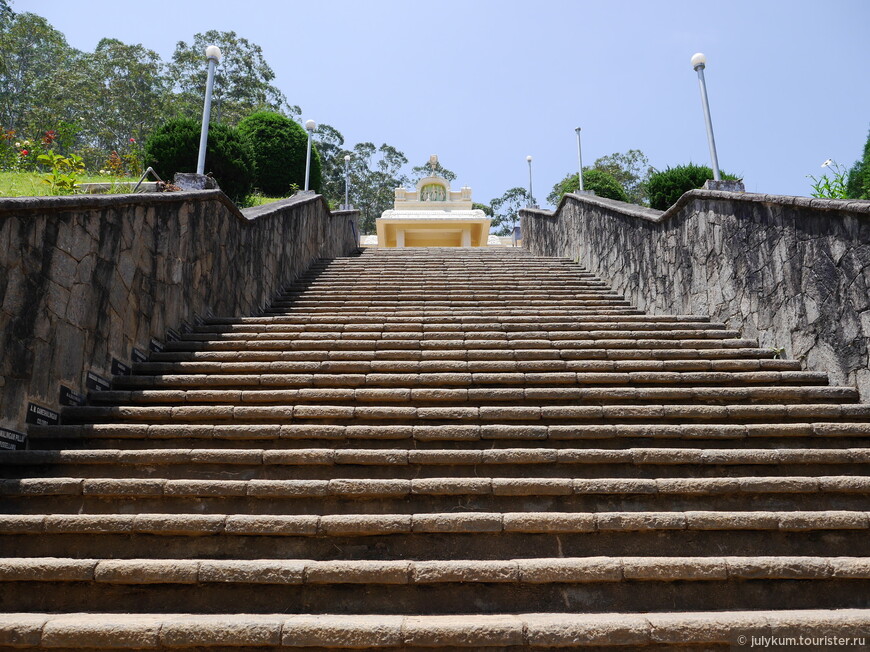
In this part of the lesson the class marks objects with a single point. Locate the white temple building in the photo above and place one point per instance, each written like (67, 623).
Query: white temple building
(433, 215)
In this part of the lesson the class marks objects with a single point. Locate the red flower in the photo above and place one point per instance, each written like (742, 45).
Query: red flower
(49, 137)
(24, 152)
(132, 140)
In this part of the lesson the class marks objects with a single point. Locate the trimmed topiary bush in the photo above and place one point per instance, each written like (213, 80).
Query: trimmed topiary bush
(602, 183)
(174, 147)
(666, 187)
(278, 148)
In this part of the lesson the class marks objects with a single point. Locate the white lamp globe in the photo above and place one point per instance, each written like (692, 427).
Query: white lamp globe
(213, 52)
(347, 158)
(310, 125)
(529, 158)
(698, 59)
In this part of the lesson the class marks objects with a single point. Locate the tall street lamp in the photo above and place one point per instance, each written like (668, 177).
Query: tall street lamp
(579, 162)
(531, 197)
(699, 62)
(310, 126)
(346, 181)
(213, 54)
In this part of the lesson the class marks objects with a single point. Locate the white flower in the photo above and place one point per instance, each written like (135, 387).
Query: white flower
(18, 143)
(827, 163)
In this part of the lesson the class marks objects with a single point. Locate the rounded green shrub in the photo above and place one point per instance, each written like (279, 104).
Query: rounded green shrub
(666, 187)
(278, 149)
(174, 147)
(602, 183)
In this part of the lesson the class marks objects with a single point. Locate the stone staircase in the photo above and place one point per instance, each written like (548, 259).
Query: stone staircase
(441, 449)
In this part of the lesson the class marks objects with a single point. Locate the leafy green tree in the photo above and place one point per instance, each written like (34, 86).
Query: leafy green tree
(420, 171)
(174, 146)
(375, 173)
(598, 181)
(631, 170)
(330, 146)
(278, 148)
(666, 187)
(38, 70)
(506, 209)
(243, 79)
(858, 185)
(126, 91)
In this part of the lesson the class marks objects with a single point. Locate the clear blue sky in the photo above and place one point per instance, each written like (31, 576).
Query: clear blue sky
(483, 83)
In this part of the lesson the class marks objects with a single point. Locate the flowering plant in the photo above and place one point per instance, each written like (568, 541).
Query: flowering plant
(827, 187)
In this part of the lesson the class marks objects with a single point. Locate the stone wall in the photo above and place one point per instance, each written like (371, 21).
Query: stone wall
(85, 280)
(792, 272)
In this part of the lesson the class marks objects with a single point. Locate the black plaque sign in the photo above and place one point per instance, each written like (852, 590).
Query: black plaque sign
(172, 335)
(97, 382)
(119, 368)
(12, 440)
(138, 356)
(156, 345)
(41, 416)
(69, 397)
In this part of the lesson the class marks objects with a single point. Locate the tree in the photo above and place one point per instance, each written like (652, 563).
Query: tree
(420, 171)
(505, 210)
(631, 170)
(242, 82)
(375, 173)
(126, 91)
(278, 148)
(858, 185)
(330, 144)
(37, 70)
(598, 181)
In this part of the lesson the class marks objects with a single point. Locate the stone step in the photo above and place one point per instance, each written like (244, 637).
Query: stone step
(697, 373)
(796, 435)
(431, 586)
(601, 412)
(462, 397)
(695, 359)
(504, 322)
(324, 463)
(444, 340)
(437, 535)
(348, 495)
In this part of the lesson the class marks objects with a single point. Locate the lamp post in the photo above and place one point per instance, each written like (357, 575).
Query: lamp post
(531, 197)
(346, 181)
(310, 126)
(579, 162)
(699, 62)
(213, 54)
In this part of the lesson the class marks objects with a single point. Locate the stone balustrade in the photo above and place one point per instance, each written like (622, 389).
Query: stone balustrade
(85, 280)
(792, 272)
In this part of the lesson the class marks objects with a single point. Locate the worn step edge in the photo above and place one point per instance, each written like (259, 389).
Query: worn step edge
(184, 524)
(150, 631)
(437, 457)
(563, 570)
(445, 486)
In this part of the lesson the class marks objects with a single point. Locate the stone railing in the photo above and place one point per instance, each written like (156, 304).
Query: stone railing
(792, 272)
(88, 283)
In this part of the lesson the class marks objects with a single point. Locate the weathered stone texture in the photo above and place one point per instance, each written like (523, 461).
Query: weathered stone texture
(792, 272)
(86, 279)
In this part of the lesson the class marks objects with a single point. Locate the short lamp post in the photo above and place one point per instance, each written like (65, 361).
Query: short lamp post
(310, 126)
(347, 182)
(579, 162)
(213, 54)
(531, 196)
(699, 62)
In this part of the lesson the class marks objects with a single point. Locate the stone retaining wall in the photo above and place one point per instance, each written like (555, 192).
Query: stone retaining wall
(85, 280)
(793, 272)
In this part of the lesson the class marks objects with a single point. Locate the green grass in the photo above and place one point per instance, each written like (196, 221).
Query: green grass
(31, 184)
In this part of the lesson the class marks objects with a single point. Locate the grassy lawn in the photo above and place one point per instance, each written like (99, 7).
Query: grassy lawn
(31, 184)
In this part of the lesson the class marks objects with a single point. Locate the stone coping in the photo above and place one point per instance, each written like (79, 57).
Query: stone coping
(633, 210)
